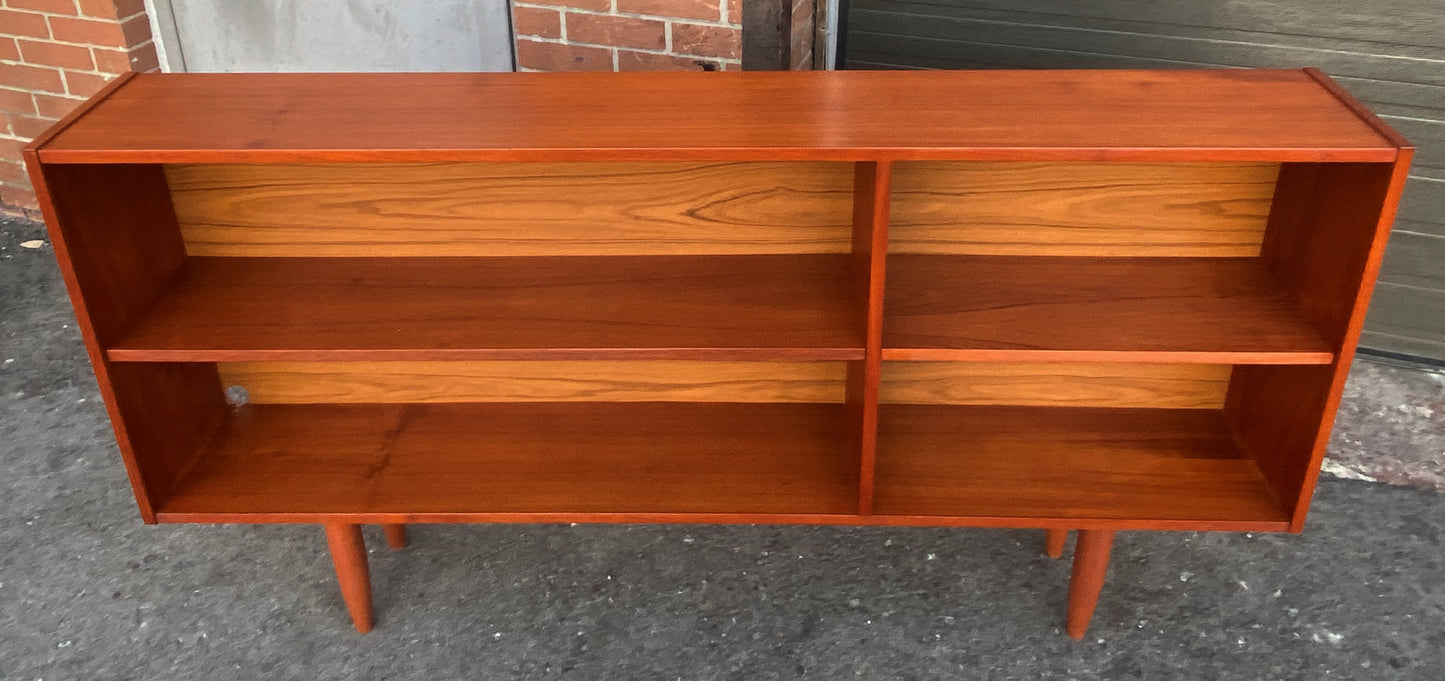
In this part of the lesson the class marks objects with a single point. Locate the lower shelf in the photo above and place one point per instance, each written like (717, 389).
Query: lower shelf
(723, 462)
(1068, 462)
(294, 462)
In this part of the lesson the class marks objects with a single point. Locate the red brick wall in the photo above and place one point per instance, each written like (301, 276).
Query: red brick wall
(628, 35)
(54, 54)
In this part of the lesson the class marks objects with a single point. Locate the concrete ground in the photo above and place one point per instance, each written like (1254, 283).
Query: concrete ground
(88, 592)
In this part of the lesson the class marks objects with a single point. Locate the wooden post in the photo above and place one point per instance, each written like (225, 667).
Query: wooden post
(395, 535)
(1054, 540)
(1091, 562)
(767, 35)
(348, 554)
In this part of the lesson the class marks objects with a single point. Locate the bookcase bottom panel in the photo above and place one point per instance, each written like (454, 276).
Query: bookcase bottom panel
(1068, 462)
(269, 462)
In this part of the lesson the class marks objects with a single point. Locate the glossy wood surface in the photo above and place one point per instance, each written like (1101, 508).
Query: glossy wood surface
(1056, 384)
(675, 458)
(1091, 565)
(659, 307)
(872, 190)
(1054, 541)
(348, 555)
(500, 209)
(117, 226)
(1083, 209)
(1212, 310)
(1060, 463)
(116, 244)
(680, 306)
(844, 115)
(1327, 241)
(597, 380)
(395, 535)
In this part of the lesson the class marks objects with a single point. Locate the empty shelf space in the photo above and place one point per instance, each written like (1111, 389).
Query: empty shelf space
(1061, 463)
(543, 461)
(1001, 308)
(682, 307)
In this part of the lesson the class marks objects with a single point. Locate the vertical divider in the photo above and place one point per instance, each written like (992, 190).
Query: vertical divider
(870, 255)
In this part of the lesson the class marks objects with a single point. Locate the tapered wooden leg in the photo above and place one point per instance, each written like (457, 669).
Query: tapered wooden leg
(1054, 542)
(1091, 562)
(395, 535)
(348, 553)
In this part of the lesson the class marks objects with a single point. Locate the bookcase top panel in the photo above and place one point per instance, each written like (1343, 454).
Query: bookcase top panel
(1274, 115)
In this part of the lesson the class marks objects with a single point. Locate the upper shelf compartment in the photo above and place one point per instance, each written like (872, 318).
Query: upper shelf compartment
(1246, 115)
(569, 307)
(1032, 308)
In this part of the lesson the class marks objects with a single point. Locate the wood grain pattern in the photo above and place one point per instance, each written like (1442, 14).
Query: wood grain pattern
(118, 231)
(1064, 462)
(1001, 308)
(536, 381)
(1086, 579)
(395, 535)
(31, 151)
(1322, 242)
(604, 307)
(1183, 115)
(116, 244)
(353, 575)
(731, 261)
(496, 209)
(872, 189)
(1326, 243)
(1054, 541)
(574, 457)
(1056, 384)
(164, 435)
(1106, 209)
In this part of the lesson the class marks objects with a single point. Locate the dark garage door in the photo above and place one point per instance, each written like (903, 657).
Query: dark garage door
(1389, 53)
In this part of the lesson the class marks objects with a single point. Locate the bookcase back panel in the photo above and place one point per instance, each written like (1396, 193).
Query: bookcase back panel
(537, 381)
(1070, 209)
(481, 209)
(1163, 386)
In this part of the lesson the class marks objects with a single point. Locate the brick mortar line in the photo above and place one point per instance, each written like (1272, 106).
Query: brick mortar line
(614, 48)
(51, 41)
(630, 15)
(43, 13)
(93, 46)
(77, 16)
(24, 91)
(69, 69)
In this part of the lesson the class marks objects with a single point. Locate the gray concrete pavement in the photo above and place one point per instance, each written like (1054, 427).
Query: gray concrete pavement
(88, 592)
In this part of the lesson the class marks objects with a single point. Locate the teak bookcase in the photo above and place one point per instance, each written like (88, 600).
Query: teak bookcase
(1109, 300)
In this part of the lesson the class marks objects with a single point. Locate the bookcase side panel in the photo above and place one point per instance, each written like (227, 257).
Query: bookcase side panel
(1324, 244)
(118, 244)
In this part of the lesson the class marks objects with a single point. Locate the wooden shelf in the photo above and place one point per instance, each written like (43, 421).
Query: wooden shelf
(1068, 463)
(1031, 308)
(678, 307)
(542, 460)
